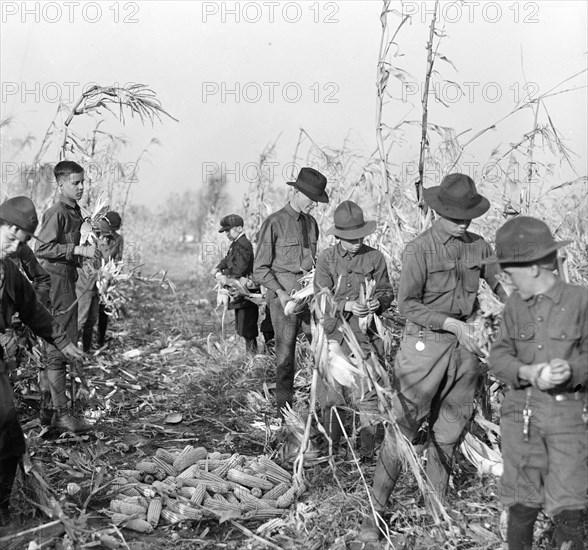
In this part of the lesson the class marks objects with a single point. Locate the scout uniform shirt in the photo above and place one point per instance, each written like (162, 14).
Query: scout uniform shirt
(236, 264)
(286, 247)
(440, 277)
(344, 274)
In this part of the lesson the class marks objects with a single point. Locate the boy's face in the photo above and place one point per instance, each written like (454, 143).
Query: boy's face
(351, 245)
(233, 233)
(10, 238)
(523, 279)
(455, 227)
(72, 186)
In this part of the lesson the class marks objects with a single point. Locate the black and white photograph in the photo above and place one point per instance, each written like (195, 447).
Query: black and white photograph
(294, 275)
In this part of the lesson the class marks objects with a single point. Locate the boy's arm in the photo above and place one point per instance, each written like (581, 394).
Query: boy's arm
(323, 278)
(579, 359)
(48, 247)
(264, 257)
(489, 272)
(40, 279)
(383, 291)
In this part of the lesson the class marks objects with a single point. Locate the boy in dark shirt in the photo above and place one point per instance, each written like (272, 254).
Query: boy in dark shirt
(236, 264)
(61, 254)
(18, 221)
(542, 353)
(344, 269)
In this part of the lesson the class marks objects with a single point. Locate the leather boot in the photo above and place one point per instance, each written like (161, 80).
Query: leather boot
(46, 409)
(439, 461)
(569, 528)
(65, 420)
(56, 379)
(519, 527)
(367, 436)
(333, 427)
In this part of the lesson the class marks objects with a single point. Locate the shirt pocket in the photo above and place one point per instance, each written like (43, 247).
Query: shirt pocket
(288, 248)
(563, 340)
(441, 276)
(471, 276)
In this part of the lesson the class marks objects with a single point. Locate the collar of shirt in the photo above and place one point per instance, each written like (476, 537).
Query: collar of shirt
(553, 293)
(442, 236)
(241, 235)
(342, 252)
(292, 212)
(68, 202)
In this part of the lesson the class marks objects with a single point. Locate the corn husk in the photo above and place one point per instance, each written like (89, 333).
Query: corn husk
(365, 295)
(485, 459)
(300, 298)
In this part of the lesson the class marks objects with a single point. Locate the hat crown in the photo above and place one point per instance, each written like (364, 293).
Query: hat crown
(524, 239)
(20, 211)
(348, 215)
(230, 221)
(311, 183)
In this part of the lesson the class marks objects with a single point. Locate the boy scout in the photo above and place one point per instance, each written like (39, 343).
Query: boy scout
(238, 263)
(437, 366)
(286, 249)
(18, 222)
(344, 269)
(542, 353)
(60, 253)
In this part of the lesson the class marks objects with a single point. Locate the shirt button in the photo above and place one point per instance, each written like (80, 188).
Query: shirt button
(563, 335)
(540, 346)
(348, 284)
(539, 318)
(349, 271)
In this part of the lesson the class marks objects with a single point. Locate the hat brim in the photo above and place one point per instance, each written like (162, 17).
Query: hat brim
(525, 258)
(431, 196)
(322, 197)
(223, 229)
(351, 234)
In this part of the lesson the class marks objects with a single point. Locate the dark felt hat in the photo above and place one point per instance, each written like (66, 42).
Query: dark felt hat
(456, 198)
(114, 220)
(349, 222)
(312, 183)
(524, 239)
(20, 211)
(230, 221)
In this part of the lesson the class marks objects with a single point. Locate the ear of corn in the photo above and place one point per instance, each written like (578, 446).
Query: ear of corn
(256, 492)
(198, 494)
(140, 500)
(217, 505)
(118, 518)
(148, 479)
(188, 458)
(264, 513)
(167, 468)
(214, 456)
(135, 474)
(189, 513)
(189, 472)
(165, 455)
(154, 511)
(276, 492)
(187, 492)
(127, 508)
(147, 467)
(248, 480)
(231, 462)
(272, 468)
(139, 525)
(286, 500)
(219, 497)
(171, 517)
(146, 490)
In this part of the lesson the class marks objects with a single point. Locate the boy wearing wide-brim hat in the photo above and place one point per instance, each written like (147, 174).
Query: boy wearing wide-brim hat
(344, 269)
(437, 366)
(238, 263)
(286, 249)
(542, 353)
(18, 222)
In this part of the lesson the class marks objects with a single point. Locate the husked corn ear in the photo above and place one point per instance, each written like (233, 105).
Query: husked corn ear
(300, 488)
(263, 513)
(139, 525)
(127, 508)
(286, 500)
(217, 505)
(277, 470)
(147, 467)
(198, 494)
(171, 517)
(160, 474)
(191, 456)
(189, 513)
(256, 492)
(164, 454)
(240, 491)
(186, 492)
(167, 468)
(219, 497)
(154, 511)
(248, 480)
(276, 492)
(189, 472)
(231, 462)
(135, 474)
(215, 455)
(232, 499)
(211, 465)
(149, 479)
(207, 476)
(162, 488)
(251, 502)
(117, 518)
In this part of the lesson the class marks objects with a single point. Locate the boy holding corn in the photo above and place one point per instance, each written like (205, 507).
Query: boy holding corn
(18, 222)
(60, 253)
(437, 367)
(542, 353)
(346, 269)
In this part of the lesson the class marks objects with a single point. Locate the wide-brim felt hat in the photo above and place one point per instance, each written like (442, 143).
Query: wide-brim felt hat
(20, 211)
(312, 183)
(456, 198)
(349, 222)
(230, 221)
(523, 240)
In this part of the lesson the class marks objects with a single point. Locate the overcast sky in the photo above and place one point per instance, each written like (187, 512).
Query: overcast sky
(239, 74)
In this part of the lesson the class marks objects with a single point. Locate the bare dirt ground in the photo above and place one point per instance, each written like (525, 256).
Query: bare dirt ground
(168, 356)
